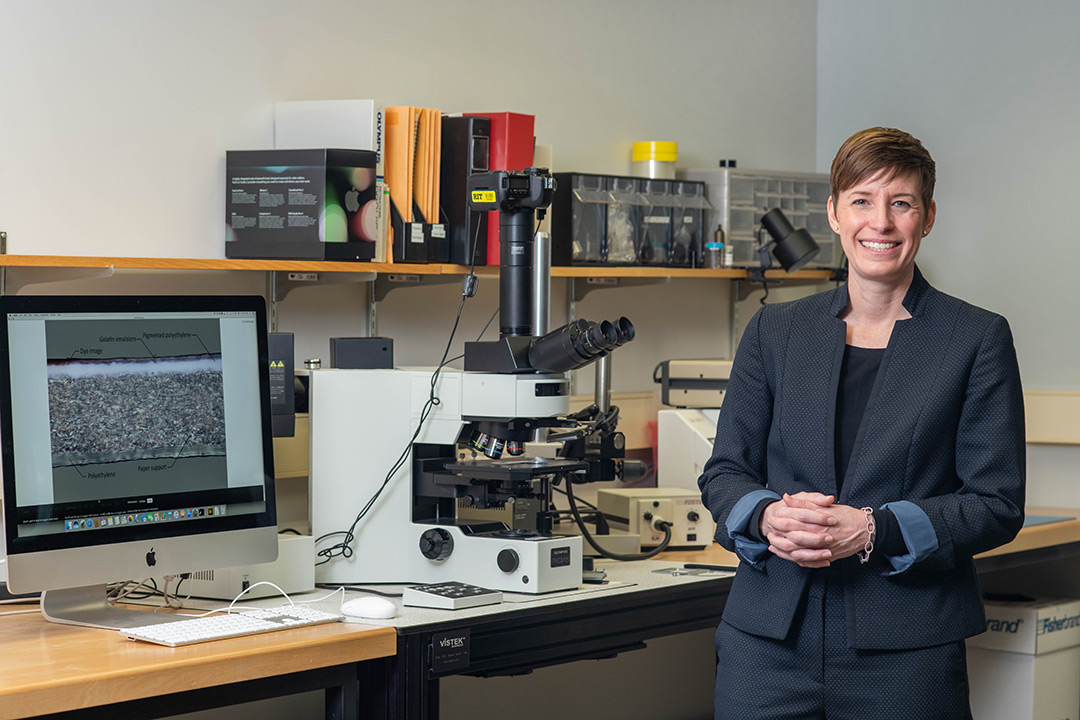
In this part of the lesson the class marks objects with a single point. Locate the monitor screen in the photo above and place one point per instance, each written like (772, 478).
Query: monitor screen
(136, 438)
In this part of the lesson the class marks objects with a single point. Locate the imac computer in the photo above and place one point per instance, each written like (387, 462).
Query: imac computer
(136, 443)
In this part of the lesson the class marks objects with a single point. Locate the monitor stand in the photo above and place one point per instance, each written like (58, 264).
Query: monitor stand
(89, 606)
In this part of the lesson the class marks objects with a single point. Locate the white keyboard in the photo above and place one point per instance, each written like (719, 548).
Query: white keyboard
(217, 627)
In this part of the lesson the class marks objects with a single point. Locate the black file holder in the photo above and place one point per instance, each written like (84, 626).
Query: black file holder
(418, 242)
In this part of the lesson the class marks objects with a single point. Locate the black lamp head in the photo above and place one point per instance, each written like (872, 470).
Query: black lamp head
(792, 248)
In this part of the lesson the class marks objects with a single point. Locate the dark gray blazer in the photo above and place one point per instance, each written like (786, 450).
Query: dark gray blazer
(944, 429)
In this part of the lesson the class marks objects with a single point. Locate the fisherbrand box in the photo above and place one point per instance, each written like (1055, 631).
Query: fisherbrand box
(1027, 663)
(1031, 626)
(301, 204)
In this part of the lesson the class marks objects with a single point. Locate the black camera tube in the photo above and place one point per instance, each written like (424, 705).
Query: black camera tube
(515, 273)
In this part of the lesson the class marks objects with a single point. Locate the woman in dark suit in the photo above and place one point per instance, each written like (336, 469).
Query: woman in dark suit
(871, 442)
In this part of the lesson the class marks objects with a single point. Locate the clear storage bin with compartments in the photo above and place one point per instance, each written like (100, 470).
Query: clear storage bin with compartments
(688, 227)
(624, 221)
(621, 220)
(740, 197)
(655, 221)
(590, 216)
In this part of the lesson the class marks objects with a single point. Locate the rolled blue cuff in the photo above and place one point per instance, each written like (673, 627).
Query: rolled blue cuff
(751, 550)
(917, 531)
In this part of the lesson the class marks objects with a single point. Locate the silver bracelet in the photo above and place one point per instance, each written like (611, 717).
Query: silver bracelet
(868, 548)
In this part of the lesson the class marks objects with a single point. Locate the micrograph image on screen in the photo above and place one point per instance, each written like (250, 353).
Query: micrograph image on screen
(136, 409)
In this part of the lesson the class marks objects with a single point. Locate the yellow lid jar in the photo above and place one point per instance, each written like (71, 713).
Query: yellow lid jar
(654, 159)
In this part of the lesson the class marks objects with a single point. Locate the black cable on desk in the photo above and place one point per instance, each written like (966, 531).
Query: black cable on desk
(607, 553)
(343, 548)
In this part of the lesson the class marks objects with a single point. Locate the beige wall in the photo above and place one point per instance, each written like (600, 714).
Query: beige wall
(116, 115)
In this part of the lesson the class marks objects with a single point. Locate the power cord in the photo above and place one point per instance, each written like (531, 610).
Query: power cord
(660, 524)
(598, 518)
(147, 588)
(233, 606)
(343, 548)
(361, 587)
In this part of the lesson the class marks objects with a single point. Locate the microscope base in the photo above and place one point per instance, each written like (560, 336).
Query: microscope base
(536, 564)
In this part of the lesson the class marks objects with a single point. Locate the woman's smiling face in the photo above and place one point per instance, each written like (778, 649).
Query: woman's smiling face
(881, 222)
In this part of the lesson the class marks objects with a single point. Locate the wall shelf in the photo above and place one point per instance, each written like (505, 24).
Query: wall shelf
(71, 261)
(284, 276)
(49, 262)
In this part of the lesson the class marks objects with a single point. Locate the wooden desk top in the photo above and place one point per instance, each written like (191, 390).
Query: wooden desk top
(1030, 538)
(46, 667)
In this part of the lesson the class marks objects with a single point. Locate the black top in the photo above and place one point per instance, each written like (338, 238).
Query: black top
(857, 374)
(856, 380)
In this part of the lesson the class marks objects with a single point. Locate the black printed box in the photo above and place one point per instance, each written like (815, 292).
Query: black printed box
(300, 204)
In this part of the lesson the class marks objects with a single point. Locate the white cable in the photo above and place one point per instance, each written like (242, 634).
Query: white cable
(340, 589)
(284, 594)
(249, 588)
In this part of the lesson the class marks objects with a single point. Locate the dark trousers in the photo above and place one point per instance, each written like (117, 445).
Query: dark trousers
(814, 675)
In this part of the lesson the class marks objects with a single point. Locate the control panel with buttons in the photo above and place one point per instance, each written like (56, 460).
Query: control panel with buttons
(449, 596)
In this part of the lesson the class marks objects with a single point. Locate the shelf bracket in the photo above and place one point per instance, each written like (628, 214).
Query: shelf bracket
(580, 287)
(284, 282)
(280, 283)
(14, 278)
(755, 281)
(386, 282)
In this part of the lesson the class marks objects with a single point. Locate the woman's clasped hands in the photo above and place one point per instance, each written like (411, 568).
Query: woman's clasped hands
(808, 529)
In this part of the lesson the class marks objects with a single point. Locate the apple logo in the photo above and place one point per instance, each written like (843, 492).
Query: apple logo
(151, 558)
(352, 200)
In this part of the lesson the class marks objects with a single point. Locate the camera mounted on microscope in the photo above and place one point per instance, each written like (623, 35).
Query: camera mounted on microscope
(512, 191)
(520, 197)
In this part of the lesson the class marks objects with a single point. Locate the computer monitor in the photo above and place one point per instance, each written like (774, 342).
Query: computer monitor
(136, 439)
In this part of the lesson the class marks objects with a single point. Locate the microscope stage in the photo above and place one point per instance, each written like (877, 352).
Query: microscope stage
(515, 469)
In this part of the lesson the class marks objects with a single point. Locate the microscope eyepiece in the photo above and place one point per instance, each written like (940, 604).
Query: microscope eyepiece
(624, 331)
(578, 343)
(599, 337)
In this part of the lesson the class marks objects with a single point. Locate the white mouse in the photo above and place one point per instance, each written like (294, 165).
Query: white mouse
(371, 607)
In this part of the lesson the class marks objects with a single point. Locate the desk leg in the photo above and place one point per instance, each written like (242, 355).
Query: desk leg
(343, 701)
(399, 688)
(421, 690)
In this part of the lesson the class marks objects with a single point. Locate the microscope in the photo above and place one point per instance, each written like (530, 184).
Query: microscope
(408, 490)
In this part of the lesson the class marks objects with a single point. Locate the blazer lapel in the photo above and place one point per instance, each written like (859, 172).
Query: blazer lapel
(834, 389)
(808, 411)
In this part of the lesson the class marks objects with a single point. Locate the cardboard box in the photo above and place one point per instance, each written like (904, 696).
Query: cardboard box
(301, 204)
(1033, 626)
(1027, 663)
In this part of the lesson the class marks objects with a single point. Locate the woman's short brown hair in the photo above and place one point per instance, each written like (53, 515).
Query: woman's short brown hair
(882, 151)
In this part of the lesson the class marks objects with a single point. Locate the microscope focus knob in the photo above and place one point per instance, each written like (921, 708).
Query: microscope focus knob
(436, 544)
(508, 560)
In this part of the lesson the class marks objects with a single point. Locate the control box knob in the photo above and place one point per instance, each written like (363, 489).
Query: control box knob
(692, 516)
(436, 544)
(508, 560)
